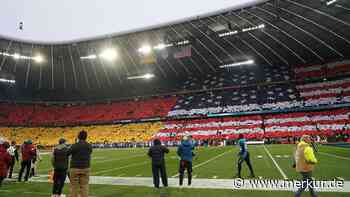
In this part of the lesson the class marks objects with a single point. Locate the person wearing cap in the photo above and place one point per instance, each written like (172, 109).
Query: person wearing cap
(5, 160)
(185, 152)
(12, 150)
(243, 155)
(305, 161)
(60, 165)
(156, 153)
(28, 153)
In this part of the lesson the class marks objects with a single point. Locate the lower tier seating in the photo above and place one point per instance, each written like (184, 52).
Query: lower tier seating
(325, 123)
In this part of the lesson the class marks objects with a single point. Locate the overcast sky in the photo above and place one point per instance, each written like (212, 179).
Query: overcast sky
(67, 20)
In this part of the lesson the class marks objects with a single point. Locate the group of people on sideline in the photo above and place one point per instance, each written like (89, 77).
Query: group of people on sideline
(79, 155)
(78, 169)
(157, 154)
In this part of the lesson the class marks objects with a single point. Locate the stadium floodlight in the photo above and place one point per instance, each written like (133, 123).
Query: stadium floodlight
(90, 57)
(109, 54)
(228, 33)
(145, 76)
(38, 59)
(145, 49)
(261, 26)
(247, 62)
(7, 80)
(331, 2)
(183, 42)
(16, 56)
(159, 46)
(148, 76)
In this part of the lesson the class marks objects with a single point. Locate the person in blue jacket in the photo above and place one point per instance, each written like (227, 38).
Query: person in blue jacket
(243, 155)
(185, 152)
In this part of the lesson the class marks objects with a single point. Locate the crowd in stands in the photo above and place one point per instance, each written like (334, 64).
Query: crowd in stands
(239, 89)
(11, 114)
(273, 90)
(98, 134)
(324, 123)
(248, 89)
(322, 71)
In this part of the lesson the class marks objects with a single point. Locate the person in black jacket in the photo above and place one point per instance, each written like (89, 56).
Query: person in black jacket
(80, 166)
(60, 165)
(156, 153)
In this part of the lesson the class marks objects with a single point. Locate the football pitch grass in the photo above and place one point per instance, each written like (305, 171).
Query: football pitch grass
(269, 162)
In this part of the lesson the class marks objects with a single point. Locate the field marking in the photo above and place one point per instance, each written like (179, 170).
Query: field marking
(120, 159)
(119, 168)
(335, 156)
(276, 164)
(205, 162)
(206, 183)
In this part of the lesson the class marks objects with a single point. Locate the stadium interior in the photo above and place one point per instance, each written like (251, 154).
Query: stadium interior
(273, 71)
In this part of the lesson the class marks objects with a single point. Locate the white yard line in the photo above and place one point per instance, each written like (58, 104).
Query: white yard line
(276, 164)
(119, 168)
(205, 162)
(198, 183)
(335, 156)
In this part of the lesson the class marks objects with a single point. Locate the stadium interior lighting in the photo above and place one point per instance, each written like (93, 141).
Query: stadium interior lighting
(162, 46)
(183, 42)
(93, 56)
(331, 2)
(145, 76)
(16, 56)
(38, 58)
(108, 54)
(229, 33)
(145, 49)
(159, 46)
(7, 80)
(247, 62)
(148, 76)
(261, 26)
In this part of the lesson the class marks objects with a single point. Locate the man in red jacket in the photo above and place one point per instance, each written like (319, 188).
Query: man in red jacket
(5, 160)
(28, 152)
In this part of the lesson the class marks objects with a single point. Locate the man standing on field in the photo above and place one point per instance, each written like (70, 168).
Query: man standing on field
(243, 155)
(185, 152)
(305, 161)
(156, 153)
(80, 166)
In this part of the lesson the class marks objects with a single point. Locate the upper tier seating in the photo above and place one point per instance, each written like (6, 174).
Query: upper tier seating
(126, 110)
(333, 69)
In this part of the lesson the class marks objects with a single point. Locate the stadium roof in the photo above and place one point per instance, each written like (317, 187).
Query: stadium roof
(71, 21)
(276, 32)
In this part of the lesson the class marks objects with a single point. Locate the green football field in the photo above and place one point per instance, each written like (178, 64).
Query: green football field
(269, 162)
